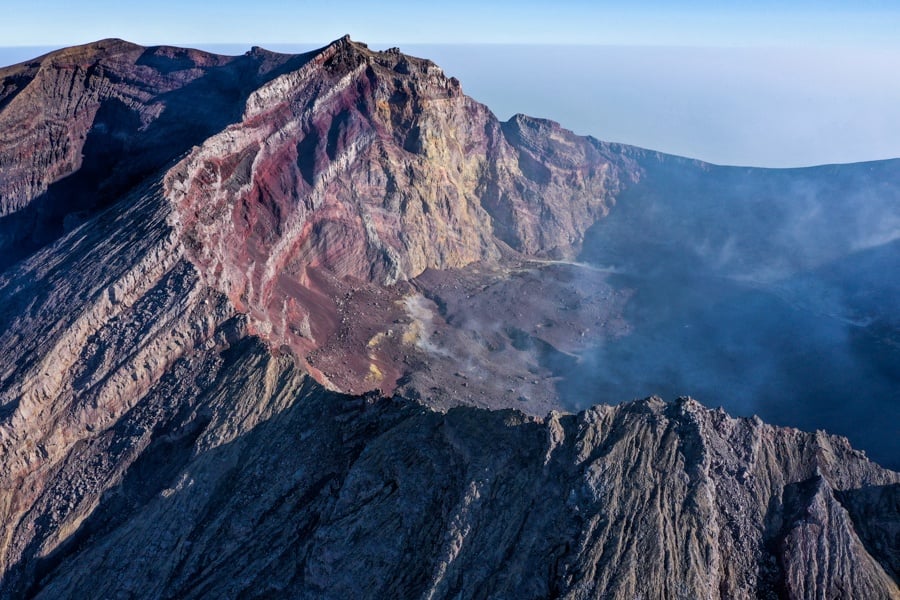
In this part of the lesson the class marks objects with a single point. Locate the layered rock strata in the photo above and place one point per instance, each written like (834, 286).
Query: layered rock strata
(165, 425)
(373, 167)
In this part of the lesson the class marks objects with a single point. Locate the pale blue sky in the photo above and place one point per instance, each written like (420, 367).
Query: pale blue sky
(696, 22)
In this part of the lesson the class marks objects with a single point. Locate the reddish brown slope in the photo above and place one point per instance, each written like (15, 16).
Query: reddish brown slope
(366, 168)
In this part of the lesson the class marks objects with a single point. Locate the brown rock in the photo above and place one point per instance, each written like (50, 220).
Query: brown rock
(374, 167)
(152, 445)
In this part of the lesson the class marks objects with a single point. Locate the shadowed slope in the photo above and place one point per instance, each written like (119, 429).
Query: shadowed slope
(80, 127)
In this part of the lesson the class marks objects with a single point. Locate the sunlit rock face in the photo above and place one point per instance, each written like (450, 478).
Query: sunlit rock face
(222, 266)
(373, 167)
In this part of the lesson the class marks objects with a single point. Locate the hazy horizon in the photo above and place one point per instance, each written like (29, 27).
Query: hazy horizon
(748, 106)
(769, 84)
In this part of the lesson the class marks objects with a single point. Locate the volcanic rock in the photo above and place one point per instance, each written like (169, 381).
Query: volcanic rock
(212, 258)
(373, 167)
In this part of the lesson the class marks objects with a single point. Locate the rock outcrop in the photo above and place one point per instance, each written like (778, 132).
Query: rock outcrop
(237, 476)
(345, 221)
(374, 166)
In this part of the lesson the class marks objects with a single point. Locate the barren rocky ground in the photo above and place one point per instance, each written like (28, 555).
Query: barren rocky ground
(322, 326)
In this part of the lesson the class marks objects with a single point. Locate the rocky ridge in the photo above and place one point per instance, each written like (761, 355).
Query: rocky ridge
(154, 445)
(82, 126)
(374, 166)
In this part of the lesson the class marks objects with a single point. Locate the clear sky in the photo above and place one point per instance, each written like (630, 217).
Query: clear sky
(691, 22)
(753, 82)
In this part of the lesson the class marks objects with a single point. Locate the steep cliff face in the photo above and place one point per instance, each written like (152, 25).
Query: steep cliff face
(374, 166)
(350, 220)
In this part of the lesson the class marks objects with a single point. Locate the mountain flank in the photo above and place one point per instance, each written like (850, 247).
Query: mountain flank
(321, 325)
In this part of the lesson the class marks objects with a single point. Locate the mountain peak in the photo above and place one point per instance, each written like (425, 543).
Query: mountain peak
(233, 235)
(383, 169)
(85, 53)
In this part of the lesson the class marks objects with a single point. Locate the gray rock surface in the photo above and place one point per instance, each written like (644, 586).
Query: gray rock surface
(151, 446)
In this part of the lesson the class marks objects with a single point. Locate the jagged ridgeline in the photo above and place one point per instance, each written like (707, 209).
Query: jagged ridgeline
(321, 325)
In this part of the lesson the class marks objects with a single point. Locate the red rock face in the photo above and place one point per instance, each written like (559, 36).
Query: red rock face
(365, 168)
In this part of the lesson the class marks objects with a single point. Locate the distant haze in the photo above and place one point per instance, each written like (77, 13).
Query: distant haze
(775, 107)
